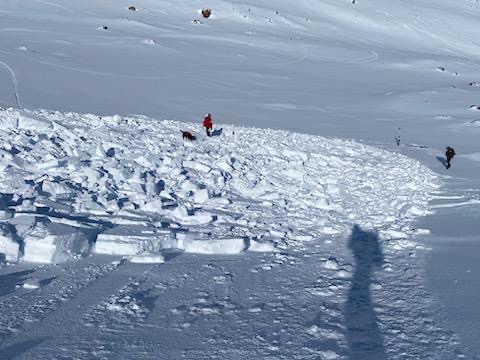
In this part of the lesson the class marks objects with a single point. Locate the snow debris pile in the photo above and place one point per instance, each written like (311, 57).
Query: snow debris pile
(74, 184)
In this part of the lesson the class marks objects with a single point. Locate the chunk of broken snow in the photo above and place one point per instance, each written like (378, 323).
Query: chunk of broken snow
(302, 237)
(328, 230)
(147, 259)
(220, 246)
(180, 214)
(54, 243)
(47, 164)
(331, 264)
(200, 196)
(392, 234)
(152, 206)
(277, 233)
(197, 166)
(261, 246)
(9, 248)
(416, 211)
(422, 231)
(402, 244)
(31, 284)
(133, 240)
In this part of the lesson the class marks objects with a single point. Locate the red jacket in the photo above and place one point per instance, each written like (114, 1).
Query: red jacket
(207, 122)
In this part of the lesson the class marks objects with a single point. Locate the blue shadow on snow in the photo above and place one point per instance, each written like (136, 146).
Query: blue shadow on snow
(15, 350)
(443, 161)
(217, 132)
(9, 282)
(363, 335)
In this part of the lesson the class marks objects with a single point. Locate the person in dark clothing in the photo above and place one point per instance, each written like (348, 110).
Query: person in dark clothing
(450, 153)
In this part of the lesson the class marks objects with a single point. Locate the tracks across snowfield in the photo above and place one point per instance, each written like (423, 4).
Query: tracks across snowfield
(288, 305)
(15, 83)
(218, 225)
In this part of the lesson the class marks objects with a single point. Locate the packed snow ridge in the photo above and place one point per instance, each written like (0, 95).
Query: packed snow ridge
(74, 184)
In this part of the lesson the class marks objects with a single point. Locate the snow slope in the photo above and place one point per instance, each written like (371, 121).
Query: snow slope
(368, 71)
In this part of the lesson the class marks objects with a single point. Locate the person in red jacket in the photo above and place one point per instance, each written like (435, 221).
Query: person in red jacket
(208, 124)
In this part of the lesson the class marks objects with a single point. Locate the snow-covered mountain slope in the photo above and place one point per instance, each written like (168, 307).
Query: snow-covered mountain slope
(134, 186)
(322, 64)
(369, 71)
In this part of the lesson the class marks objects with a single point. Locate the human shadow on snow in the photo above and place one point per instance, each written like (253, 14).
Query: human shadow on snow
(10, 282)
(443, 161)
(363, 335)
(15, 350)
(217, 132)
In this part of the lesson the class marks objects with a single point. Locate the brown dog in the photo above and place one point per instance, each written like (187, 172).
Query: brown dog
(187, 135)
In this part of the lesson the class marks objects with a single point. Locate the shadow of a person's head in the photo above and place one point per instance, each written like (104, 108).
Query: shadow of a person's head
(365, 246)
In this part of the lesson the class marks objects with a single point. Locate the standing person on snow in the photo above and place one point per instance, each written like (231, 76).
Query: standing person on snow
(450, 153)
(208, 124)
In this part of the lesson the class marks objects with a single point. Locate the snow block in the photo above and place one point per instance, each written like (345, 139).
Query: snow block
(197, 166)
(180, 214)
(147, 259)
(218, 246)
(133, 240)
(256, 246)
(52, 243)
(9, 249)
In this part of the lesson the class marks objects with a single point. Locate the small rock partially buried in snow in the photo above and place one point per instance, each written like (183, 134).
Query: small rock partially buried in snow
(149, 42)
(206, 13)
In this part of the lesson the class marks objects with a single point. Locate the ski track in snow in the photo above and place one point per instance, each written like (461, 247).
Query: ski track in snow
(55, 5)
(15, 83)
(81, 70)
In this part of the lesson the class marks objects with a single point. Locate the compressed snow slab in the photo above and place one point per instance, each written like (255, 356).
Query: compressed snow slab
(256, 246)
(220, 246)
(133, 240)
(54, 243)
(147, 259)
(181, 215)
(9, 248)
(31, 284)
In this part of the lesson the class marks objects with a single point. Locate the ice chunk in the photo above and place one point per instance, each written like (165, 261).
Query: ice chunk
(200, 196)
(147, 259)
(133, 240)
(218, 246)
(9, 248)
(181, 215)
(31, 284)
(197, 166)
(261, 246)
(54, 243)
